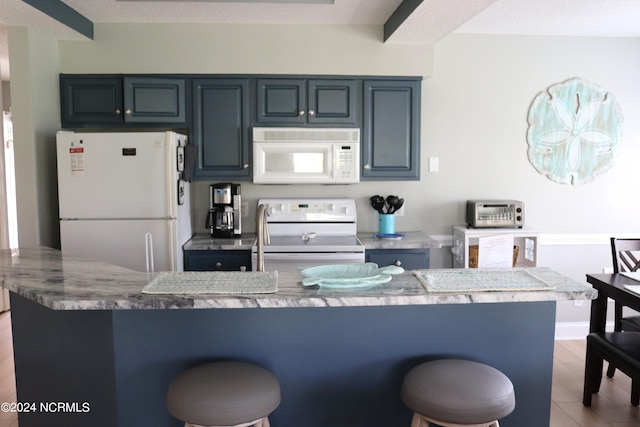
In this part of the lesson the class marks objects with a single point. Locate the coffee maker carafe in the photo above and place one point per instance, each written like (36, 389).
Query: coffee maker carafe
(225, 210)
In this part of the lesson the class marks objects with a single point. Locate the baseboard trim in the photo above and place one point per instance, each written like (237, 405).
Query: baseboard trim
(575, 330)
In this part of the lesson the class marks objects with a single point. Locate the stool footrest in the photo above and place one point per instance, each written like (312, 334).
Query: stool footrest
(422, 421)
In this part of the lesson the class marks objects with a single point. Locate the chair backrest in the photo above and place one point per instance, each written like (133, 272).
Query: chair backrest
(626, 254)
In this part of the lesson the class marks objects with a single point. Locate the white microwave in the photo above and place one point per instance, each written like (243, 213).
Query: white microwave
(306, 155)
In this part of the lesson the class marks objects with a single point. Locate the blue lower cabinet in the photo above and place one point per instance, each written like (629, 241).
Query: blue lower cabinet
(217, 260)
(409, 259)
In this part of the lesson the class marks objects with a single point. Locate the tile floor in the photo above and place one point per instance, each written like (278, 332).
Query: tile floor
(610, 407)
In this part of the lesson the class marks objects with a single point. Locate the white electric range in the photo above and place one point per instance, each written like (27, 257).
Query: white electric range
(310, 232)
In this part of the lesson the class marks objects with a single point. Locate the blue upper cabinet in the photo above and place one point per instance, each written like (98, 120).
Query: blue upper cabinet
(154, 100)
(91, 100)
(303, 102)
(219, 111)
(220, 128)
(87, 101)
(391, 130)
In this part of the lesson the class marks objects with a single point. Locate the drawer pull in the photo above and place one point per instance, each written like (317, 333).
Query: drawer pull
(398, 263)
(218, 264)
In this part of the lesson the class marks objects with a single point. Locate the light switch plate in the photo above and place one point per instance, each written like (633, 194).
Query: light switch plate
(434, 164)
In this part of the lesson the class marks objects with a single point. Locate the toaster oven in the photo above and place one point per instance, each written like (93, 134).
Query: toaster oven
(495, 213)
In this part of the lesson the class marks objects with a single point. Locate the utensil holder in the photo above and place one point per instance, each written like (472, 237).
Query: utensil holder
(387, 224)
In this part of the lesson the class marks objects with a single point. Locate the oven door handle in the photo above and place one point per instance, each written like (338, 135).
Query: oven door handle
(310, 255)
(286, 261)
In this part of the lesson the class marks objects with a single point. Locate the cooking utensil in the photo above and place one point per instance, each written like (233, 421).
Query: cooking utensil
(391, 202)
(398, 205)
(377, 202)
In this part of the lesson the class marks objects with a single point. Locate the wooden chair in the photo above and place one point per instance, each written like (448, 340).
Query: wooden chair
(626, 258)
(621, 349)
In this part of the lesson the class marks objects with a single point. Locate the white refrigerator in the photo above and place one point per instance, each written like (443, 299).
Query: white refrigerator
(123, 198)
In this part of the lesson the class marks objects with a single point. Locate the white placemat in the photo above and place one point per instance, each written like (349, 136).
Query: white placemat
(479, 280)
(213, 282)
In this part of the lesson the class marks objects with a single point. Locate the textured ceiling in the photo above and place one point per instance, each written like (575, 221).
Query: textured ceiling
(341, 12)
(581, 18)
(432, 20)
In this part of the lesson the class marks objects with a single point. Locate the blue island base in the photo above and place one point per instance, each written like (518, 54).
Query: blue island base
(338, 367)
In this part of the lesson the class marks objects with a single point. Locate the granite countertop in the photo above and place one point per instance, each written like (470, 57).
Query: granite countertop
(412, 240)
(65, 282)
(204, 242)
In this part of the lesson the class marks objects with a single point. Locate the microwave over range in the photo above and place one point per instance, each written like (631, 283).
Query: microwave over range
(306, 155)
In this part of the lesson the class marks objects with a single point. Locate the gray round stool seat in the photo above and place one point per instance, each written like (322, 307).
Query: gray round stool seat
(453, 392)
(224, 394)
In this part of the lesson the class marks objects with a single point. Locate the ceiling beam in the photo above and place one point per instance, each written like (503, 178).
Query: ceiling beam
(65, 15)
(400, 15)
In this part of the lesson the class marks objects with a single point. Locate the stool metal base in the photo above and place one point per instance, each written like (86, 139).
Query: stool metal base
(262, 422)
(419, 420)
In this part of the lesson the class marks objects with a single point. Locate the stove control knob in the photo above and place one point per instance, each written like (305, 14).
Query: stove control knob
(332, 206)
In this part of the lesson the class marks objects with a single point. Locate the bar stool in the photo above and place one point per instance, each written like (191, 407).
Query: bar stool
(229, 393)
(457, 393)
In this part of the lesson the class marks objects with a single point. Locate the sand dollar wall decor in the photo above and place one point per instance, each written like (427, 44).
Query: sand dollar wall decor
(575, 128)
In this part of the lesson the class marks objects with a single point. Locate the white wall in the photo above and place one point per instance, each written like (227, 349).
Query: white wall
(204, 48)
(33, 59)
(475, 121)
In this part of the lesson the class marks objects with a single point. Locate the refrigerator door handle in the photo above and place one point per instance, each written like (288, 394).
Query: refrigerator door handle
(148, 247)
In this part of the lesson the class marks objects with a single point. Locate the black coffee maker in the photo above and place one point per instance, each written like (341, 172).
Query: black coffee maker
(225, 210)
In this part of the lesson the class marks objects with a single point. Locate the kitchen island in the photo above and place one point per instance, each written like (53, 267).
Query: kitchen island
(85, 336)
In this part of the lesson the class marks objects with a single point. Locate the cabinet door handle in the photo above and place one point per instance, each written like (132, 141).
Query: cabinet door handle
(127, 112)
(245, 166)
(312, 113)
(218, 264)
(301, 113)
(398, 263)
(118, 112)
(367, 167)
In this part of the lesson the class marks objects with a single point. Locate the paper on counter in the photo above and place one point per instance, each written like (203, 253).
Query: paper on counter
(495, 251)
